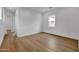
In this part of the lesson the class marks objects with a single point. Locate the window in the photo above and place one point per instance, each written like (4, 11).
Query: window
(51, 21)
(0, 13)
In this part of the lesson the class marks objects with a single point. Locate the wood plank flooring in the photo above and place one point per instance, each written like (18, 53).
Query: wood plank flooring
(40, 42)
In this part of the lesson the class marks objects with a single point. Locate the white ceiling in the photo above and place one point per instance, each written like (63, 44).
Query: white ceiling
(42, 9)
(13, 9)
(38, 9)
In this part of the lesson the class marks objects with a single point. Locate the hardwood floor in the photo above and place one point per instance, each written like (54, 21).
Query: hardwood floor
(40, 42)
(8, 42)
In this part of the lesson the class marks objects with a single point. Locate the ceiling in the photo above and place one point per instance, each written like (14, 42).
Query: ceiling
(12, 9)
(42, 9)
(38, 9)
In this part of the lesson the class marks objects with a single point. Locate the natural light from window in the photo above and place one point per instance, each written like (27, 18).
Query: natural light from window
(0, 13)
(51, 20)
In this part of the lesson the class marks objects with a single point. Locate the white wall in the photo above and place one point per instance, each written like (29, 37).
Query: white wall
(5, 23)
(77, 23)
(27, 22)
(67, 22)
(9, 19)
(2, 27)
(1, 32)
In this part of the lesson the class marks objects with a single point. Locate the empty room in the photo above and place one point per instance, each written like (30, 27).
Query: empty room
(39, 29)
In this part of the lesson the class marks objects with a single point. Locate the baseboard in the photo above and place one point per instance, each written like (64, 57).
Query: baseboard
(60, 35)
(22, 35)
(1, 41)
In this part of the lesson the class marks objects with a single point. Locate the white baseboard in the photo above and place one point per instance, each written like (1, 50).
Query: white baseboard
(63, 35)
(21, 35)
(1, 41)
(59, 34)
